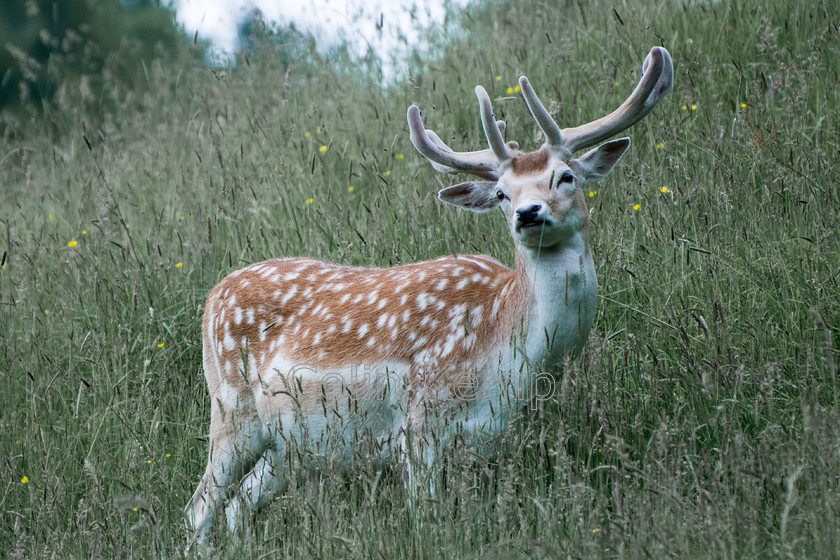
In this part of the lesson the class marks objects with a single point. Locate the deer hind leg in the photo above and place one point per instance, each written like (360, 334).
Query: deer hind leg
(235, 447)
(259, 487)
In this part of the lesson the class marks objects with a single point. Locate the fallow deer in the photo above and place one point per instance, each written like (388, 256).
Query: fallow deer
(297, 350)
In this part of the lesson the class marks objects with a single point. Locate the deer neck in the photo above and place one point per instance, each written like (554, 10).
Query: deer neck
(562, 286)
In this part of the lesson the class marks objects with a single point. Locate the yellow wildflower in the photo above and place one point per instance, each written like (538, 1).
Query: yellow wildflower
(84, 231)
(307, 134)
(351, 188)
(509, 90)
(592, 193)
(660, 145)
(684, 108)
(636, 207)
(664, 190)
(310, 200)
(498, 78)
(694, 107)
(399, 156)
(386, 173)
(179, 265)
(516, 89)
(24, 480)
(318, 131)
(72, 243)
(322, 149)
(743, 105)
(160, 345)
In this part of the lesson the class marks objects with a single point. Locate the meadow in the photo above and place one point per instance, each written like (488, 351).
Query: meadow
(701, 421)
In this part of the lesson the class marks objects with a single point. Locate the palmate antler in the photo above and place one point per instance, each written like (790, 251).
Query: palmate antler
(656, 82)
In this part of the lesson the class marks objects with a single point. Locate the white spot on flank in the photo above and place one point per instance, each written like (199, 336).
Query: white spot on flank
(344, 299)
(290, 294)
(461, 283)
(289, 276)
(381, 321)
(403, 299)
(382, 303)
(419, 343)
(358, 298)
(476, 316)
(441, 284)
(371, 341)
(244, 283)
(372, 297)
(249, 315)
(422, 300)
(405, 315)
(363, 330)
(316, 339)
(229, 343)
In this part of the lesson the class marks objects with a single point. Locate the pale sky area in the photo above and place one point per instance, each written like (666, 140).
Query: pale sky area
(329, 21)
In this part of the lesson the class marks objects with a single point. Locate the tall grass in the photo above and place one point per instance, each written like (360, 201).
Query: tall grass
(702, 420)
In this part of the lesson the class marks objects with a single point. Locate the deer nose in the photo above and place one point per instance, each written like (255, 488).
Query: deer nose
(528, 214)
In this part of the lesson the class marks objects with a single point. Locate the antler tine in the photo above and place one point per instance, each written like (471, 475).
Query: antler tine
(657, 80)
(491, 128)
(552, 132)
(481, 163)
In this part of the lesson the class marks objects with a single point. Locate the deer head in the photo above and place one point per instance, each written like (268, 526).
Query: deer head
(540, 192)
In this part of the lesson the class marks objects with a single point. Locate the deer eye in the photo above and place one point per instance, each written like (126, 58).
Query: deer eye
(501, 195)
(566, 177)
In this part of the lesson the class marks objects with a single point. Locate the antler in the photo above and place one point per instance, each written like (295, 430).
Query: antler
(657, 80)
(482, 163)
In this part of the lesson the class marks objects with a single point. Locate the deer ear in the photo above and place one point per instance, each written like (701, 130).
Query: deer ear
(475, 196)
(597, 164)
